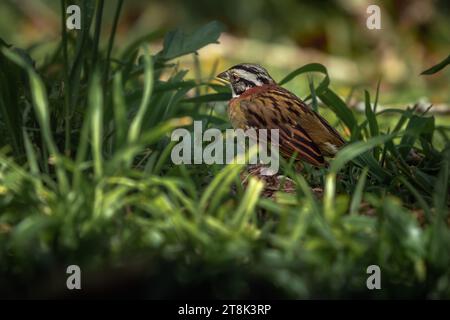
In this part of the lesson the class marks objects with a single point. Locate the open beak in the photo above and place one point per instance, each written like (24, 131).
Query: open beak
(224, 76)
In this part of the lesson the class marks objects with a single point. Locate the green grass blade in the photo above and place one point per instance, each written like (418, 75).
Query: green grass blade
(111, 43)
(82, 47)
(32, 160)
(67, 109)
(40, 104)
(373, 123)
(441, 189)
(338, 106)
(120, 112)
(438, 67)
(126, 153)
(82, 150)
(330, 197)
(136, 124)
(423, 204)
(218, 187)
(358, 193)
(313, 93)
(355, 149)
(98, 29)
(96, 107)
(10, 117)
(371, 118)
(311, 67)
(248, 203)
(10, 110)
(377, 95)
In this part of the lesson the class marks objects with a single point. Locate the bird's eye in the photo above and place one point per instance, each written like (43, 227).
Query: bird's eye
(234, 77)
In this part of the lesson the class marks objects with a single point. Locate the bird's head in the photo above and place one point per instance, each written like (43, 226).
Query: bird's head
(244, 76)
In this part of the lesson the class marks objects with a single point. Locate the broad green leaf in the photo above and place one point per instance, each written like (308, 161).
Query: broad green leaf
(177, 43)
(132, 48)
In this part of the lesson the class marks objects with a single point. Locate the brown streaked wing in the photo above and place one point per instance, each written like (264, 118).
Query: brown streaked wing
(262, 112)
(308, 118)
(318, 129)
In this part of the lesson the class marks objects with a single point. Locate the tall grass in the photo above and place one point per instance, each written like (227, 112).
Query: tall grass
(86, 179)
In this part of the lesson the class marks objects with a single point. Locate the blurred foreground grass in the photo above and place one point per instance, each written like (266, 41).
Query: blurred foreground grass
(86, 179)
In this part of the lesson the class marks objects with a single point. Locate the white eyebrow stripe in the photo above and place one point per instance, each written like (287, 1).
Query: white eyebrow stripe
(252, 77)
(246, 75)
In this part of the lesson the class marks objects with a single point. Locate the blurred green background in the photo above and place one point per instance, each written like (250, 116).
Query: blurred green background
(195, 228)
(282, 35)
